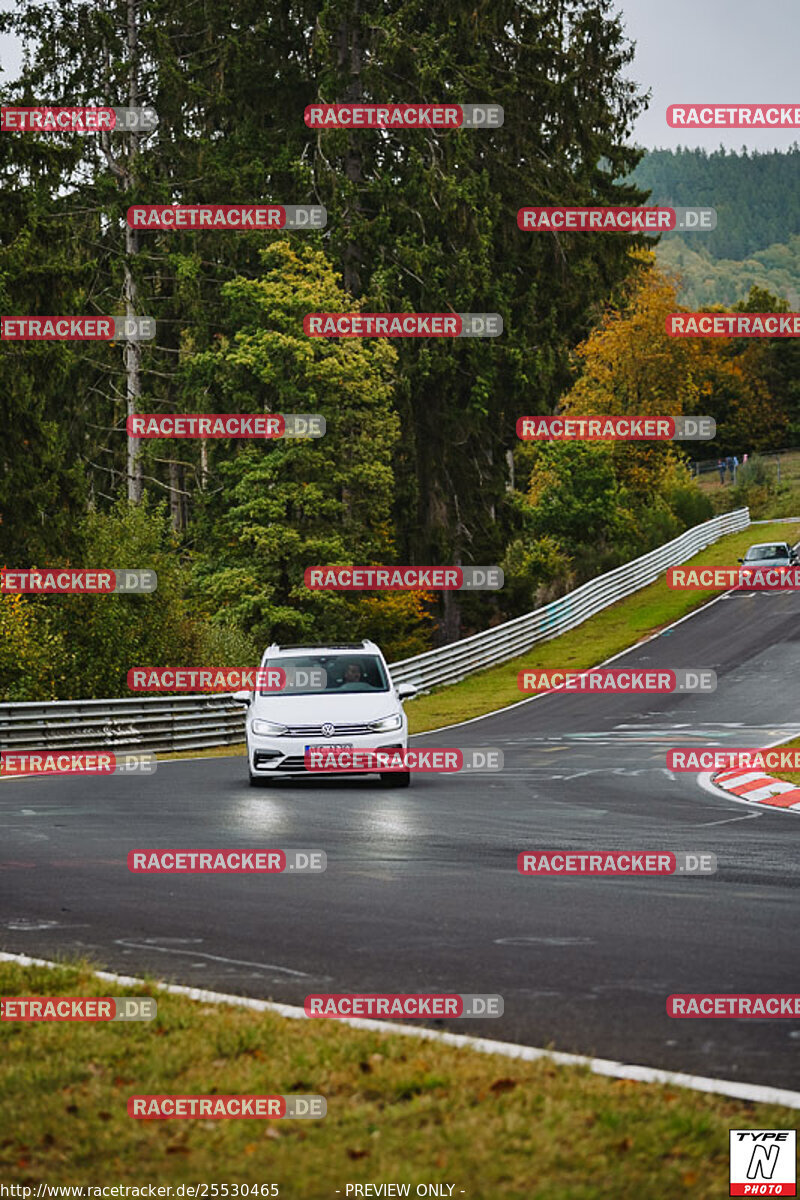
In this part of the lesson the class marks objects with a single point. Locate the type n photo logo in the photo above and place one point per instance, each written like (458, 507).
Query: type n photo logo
(763, 1162)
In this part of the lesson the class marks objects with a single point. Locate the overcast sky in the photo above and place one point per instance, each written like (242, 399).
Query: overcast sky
(713, 51)
(688, 51)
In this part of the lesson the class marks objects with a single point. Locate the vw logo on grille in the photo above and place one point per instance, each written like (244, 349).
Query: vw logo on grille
(328, 730)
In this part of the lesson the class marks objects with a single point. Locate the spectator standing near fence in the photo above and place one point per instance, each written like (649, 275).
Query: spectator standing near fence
(721, 469)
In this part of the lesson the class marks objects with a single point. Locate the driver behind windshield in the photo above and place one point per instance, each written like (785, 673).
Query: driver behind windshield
(354, 680)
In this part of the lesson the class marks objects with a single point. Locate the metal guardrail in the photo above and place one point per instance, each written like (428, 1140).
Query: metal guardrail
(451, 663)
(141, 723)
(195, 722)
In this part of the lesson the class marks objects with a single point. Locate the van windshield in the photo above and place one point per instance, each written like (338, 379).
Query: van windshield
(343, 673)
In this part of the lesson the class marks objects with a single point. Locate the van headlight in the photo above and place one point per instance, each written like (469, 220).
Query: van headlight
(387, 724)
(269, 728)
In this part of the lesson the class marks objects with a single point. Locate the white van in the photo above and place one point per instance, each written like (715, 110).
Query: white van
(356, 707)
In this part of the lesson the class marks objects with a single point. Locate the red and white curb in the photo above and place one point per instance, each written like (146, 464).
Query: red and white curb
(754, 787)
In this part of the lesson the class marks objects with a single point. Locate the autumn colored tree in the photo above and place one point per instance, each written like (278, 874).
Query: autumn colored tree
(629, 365)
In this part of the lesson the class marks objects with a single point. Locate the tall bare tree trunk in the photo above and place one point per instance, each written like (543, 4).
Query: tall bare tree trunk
(350, 56)
(177, 500)
(125, 171)
(133, 350)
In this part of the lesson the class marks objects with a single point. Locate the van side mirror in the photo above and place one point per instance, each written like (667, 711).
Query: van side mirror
(406, 690)
(244, 697)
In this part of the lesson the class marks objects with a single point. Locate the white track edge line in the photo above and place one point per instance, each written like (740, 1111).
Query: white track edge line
(755, 1092)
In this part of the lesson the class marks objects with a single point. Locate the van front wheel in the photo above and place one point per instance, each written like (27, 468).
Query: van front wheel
(396, 779)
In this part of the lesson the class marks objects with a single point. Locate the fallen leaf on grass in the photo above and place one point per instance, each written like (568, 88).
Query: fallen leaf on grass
(503, 1085)
(354, 1154)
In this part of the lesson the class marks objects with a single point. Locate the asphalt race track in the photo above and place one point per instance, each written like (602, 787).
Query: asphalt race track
(422, 891)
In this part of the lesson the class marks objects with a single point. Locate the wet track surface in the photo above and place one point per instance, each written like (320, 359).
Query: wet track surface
(422, 890)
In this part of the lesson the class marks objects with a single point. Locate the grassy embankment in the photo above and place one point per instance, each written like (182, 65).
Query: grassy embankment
(399, 1110)
(782, 501)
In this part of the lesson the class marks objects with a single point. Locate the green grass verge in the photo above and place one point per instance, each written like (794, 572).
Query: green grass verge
(237, 751)
(611, 631)
(784, 502)
(398, 1110)
(789, 776)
